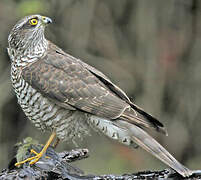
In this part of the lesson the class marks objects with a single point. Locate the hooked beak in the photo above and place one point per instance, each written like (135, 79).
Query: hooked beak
(46, 20)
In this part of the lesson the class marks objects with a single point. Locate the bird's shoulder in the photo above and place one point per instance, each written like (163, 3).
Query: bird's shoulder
(63, 56)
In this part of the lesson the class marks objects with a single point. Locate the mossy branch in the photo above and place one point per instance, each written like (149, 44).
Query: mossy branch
(58, 166)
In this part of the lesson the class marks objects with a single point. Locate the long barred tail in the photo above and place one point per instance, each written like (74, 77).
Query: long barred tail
(130, 135)
(144, 140)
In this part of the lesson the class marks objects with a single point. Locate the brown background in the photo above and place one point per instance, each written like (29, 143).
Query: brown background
(151, 49)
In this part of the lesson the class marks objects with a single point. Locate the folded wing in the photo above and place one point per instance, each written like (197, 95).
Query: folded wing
(73, 84)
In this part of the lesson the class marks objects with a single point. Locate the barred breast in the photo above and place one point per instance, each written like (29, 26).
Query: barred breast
(47, 115)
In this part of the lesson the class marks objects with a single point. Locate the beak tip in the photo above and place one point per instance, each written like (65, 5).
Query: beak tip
(49, 21)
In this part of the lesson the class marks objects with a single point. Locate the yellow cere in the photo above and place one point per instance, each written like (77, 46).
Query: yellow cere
(43, 17)
(33, 21)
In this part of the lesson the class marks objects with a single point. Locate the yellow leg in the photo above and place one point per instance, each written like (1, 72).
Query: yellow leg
(38, 155)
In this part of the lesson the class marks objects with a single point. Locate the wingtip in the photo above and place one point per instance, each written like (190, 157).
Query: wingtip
(163, 130)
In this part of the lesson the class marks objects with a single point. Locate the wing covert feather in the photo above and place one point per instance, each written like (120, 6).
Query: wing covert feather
(66, 81)
(73, 84)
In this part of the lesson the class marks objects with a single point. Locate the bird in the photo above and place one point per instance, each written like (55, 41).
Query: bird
(68, 97)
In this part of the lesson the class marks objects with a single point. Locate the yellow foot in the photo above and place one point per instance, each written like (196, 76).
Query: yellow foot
(37, 156)
(34, 152)
(32, 160)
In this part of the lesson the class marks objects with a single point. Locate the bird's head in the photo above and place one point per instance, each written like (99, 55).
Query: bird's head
(28, 31)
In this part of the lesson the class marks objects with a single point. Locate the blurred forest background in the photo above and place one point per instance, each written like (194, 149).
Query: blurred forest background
(151, 49)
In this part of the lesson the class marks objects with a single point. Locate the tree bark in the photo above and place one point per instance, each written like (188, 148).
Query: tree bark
(57, 166)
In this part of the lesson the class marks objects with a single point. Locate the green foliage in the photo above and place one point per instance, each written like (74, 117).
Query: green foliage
(31, 7)
(24, 147)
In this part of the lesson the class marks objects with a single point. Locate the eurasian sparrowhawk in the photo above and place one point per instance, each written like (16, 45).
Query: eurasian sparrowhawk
(61, 93)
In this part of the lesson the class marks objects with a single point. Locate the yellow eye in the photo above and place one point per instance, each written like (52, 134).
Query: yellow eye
(33, 22)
